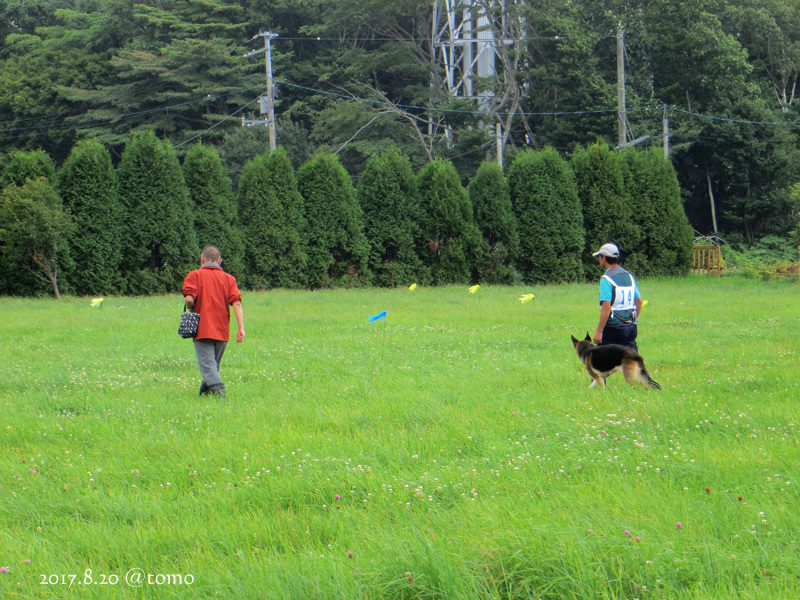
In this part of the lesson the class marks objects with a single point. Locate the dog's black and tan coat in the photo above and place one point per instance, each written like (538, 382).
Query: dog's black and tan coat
(603, 361)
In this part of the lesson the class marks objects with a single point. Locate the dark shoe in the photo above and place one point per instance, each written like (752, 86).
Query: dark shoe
(204, 389)
(217, 390)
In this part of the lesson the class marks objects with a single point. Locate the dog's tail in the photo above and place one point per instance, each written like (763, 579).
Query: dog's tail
(644, 377)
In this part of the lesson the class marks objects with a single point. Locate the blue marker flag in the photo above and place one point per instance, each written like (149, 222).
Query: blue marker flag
(378, 317)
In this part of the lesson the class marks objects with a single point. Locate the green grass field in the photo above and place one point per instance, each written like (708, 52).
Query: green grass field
(453, 451)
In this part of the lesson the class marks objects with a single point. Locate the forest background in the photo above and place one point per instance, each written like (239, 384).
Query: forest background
(358, 81)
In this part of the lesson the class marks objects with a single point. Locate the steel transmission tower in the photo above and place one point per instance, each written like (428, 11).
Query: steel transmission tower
(465, 46)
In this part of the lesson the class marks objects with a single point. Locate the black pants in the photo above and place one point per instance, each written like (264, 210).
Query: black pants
(624, 335)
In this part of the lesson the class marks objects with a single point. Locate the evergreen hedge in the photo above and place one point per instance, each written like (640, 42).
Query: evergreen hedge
(273, 225)
(607, 214)
(87, 184)
(545, 198)
(655, 193)
(211, 193)
(453, 249)
(138, 232)
(495, 219)
(159, 244)
(387, 195)
(338, 251)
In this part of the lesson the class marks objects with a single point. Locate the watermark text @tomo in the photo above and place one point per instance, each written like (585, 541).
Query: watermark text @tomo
(133, 578)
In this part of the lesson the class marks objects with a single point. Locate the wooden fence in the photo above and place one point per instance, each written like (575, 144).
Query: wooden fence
(707, 260)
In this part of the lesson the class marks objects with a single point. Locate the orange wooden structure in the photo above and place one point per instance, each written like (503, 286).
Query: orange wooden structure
(707, 260)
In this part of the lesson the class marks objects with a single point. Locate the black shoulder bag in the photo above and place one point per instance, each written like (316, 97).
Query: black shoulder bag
(189, 320)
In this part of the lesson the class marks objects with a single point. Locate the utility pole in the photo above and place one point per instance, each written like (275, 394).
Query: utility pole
(499, 144)
(268, 101)
(713, 206)
(621, 116)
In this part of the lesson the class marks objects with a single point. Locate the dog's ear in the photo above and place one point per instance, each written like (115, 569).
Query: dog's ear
(588, 338)
(574, 341)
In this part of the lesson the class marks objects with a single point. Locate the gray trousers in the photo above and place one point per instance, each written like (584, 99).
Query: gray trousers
(209, 355)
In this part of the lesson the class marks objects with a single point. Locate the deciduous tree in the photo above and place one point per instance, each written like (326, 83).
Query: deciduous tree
(34, 229)
(25, 166)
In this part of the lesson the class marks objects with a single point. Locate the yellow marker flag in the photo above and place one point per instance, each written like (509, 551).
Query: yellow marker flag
(412, 287)
(526, 298)
(474, 289)
(96, 303)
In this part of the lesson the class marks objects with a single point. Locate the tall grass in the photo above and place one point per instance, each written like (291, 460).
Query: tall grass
(454, 449)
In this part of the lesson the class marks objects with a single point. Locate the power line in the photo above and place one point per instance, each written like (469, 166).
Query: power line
(42, 129)
(202, 133)
(550, 38)
(444, 110)
(729, 120)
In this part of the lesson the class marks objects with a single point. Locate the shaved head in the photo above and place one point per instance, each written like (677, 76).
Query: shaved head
(211, 254)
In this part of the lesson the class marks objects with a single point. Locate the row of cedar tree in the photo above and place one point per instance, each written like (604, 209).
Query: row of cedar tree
(90, 229)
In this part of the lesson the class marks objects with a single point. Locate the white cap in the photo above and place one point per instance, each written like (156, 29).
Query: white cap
(608, 250)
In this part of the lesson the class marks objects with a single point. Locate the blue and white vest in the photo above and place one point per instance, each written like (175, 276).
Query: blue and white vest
(623, 305)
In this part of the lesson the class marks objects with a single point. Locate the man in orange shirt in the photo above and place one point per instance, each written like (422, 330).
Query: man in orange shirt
(209, 291)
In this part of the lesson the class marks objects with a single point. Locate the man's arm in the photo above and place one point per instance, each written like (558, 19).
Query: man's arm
(189, 290)
(239, 314)
(605, 312)
(639, 305)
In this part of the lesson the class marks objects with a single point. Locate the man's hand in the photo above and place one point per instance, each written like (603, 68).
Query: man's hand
(189, 302)
(239, 314)
(605, 312)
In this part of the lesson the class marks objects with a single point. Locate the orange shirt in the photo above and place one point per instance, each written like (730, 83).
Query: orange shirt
(213, 291)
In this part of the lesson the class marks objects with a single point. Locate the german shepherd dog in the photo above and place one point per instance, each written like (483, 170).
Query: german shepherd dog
(603, 361)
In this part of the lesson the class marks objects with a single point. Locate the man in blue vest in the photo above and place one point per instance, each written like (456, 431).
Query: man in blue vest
(620, 302)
